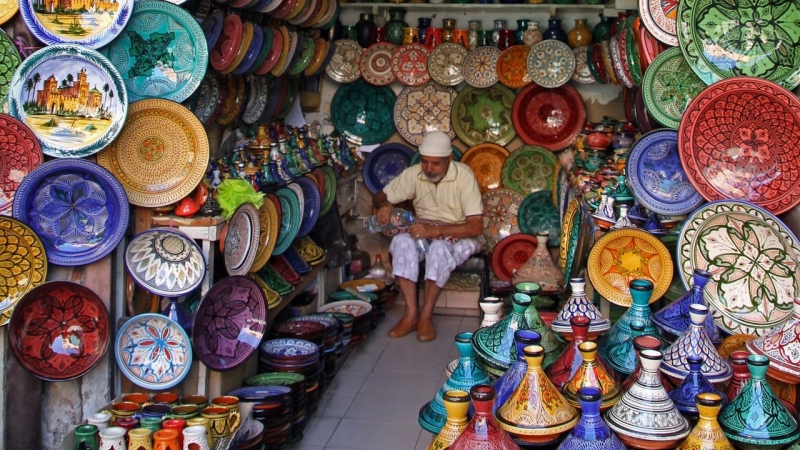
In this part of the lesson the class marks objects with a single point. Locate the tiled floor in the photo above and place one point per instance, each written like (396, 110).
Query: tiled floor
(374, 400)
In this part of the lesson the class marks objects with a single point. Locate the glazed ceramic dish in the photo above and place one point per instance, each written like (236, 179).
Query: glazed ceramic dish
(241, 240)
(583, 73)
(356, 308)
(311, 205)
(570, 232)
(9, 61)
(410, 64)
(484, 115)
(511, 67)
(20, 153)
(444, 63)
(161, 155)
(344, 65)
(289, 348)
(229, 323)
(537, 214)
(376, 64)
(77, 208)
(59, 331)
(71, 119)
(529, 169)
(153, 352)
(659, 18)
(500, 209)
(551, 118)
(165, 262)
(258, 89)
(512, 253)
(486, 161)
(330, 190)
(8, 8)
(228, 44)
(91, 27)
(384, 164)
(480, 66)
(205, 99)
(269, 221)
(753, 259)
(26, 264)
(551, 63)
(291, 214)
(363, 112)
(668, 87)
(422, 109)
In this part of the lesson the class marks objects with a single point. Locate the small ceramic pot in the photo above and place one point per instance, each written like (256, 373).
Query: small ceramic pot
(200, 422)
(195, 438)
(175, 424)
(140, 438)
(184, 412)
(136, 397)
(410, 35)
(228, 402)
(166, 440)
(112, 438)
(151, 423)
(86, 434)
(201, 401)
(100, 419)
(222, 421)
(433, 37)
(170, 398)
(158, 410)
(128, 423)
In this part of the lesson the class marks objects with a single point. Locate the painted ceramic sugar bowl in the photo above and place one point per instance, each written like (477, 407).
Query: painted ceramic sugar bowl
(483, 431)
(781, 346)
(580, 305)
(591, 374)
(591, 432)
(695, 341)
(707, 434)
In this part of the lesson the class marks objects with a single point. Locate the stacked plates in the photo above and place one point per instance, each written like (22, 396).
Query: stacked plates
(369, 286)
(297, 383)
(309, 250)
(347, 327)
(378, 306)
(272, 410)
(332, 339)
(361, 312)
(293, 356)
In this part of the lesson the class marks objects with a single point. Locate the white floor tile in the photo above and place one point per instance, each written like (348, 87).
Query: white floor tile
(319, 430)
(334, 404)
(373, 434)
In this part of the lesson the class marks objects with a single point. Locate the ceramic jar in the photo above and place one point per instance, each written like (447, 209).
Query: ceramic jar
(554, 31)
(456, 403)
(494, 345)
(673, 319)
(564, 368)
(695, 383)
(166, 440)
(112, 438)
(365, 27)
(591, 432)
(140, 439)
(498, 25)
(580, 35)
(579, 305)
(490, 306)
(507, 384)
(779, 346)
(645, 343)
(506, 39)
(540, 268)
(591, 374)
(394, 26)
(86, 437)
(532, 35)
(195, 438)
(601, 30)
(707, 434)
(448, 25)
(483, 430)
(694, 341)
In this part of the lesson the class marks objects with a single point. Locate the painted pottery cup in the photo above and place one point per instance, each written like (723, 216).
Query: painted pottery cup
(410, 35)
(166, 440)
(175, 424)
(170, 398)
(228, 402)
(155, 410)
(100, 419)
(151, 423)
(201, 401)
(112, 438)
(136, 397)
(86, 434)
(128, 423)
(140, 439)
(222, 421)
(200, 422)
(124, 409)
(184, 412)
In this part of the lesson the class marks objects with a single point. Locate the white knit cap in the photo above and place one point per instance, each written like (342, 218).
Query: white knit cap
(436, 144)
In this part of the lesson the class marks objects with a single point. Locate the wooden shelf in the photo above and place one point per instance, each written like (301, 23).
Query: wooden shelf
(546, 8)
(305, 281)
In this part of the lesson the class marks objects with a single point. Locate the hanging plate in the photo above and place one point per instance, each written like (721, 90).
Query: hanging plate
(551, 63)
(668, 87)
(582, 73)
(273, 55)
(290, 219)
(20, 153)
(205, 99)
(330, 190)
(552, 118)
(659, 18)
(444, 63)
(480, 66)
(537, 214)
(484, 115)
(165, 262)
(74, 23)
(512, 69)
(258, 99)
(269, 224)
(9, 61)
(212, 27)
(343, 67)
(410, 64)
(241, 240)
(422, 109)
(529, 169)
(26, 264)
(500, 209)
(486, 161)
(311, 205)
(570, 232)
(385, 163)
(363, 113)
(153, 352)
(510, 254)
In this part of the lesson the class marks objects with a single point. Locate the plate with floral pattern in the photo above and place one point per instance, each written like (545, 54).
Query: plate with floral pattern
(20, 153)
(615, 55)
(165, 262)
(422, 109)
(445, 62)
(25, 264)
(153, 351)
(529, 169)
(582, 72)
(552, 118)
(570, 232)
(241, 240)
(753, 260)
(480, 66)
(669, 86)
(410, 64)
(512, 68)
(659, 18)
(376, 64)
(74, 23)
(343, 67)
(551, 63)
(500, 209)
(484, 115)
(363, 112)
(486, 161)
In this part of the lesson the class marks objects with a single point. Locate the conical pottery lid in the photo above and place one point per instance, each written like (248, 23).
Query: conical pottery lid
(483, 430)
(551, 345)
(694, 341)
(494, 345)
(707, 433)
(540, 268)
(781, 346)
(591, 432)
(506, 384)
(591, 374)
(674, 318)
(456, 403)
(563, 369)
(579, 305)
(684, 396)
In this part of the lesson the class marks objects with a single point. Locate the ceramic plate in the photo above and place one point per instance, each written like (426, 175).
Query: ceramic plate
(318, 60)
(241, 240)
(512, 253)
(78, 210)
(205, 99)
(363, 112)
(212, 27)
(153, 352)
(344, 65)
(9, 61)
(330, 190)
(410, 64)
(753, 260)
(290, 43)
(551, 63)
(165, 262)
(160, 156)
(659, 18)
(311, 205)
(537, 214)
(570, 232)
(444, 63)
(269, 221)
(384, 164)
(623, 255)
(737, 141)
(303, 58)
(288, 347)
(69, 113)
(229, 323)
(258, 99)
(228, 44)
(290, 220)
(632, 51)
(163, 52)
(74, 23)
(416, 159)
(529, 169)
(668, 87)
(582, 73)
(273, 55)
(486, 161)
(500, 209)
(59, 331)
(617, 62)
(512, 69)
(8, 8)
(655, 175)
(484, 115)
(251, 52)
(26, 264)
(480, 66)
(422, 109)
(356, 308)
(551, 118)
(20, 153)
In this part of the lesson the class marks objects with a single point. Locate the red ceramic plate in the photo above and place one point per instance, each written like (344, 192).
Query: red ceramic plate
(649, 47)
(20, 153)
(59, 331)
(551, 118)
(284, 10)
(228, 44)
(511, 253)
(410, 64)
(738, 140)
(274, 54)
(597, 63)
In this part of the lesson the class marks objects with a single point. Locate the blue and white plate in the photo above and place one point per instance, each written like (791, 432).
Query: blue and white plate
(260, 392)
(72, 22)
(311, 205)
(289, 347)
(384, 164)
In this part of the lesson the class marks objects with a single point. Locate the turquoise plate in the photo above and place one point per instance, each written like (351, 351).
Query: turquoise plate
(162, 54)
(538, 214)
(290, 220)
(363, 113)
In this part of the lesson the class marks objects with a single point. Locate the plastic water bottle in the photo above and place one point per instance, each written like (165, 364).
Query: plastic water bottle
(397, 218)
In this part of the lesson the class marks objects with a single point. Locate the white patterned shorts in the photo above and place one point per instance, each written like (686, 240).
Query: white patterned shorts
(442, 257)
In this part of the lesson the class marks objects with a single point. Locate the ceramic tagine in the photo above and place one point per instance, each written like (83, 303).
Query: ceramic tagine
(591, 432)
(694, 341)
(540, 268)
(645, 343)
(467, 373)
(782, 346)
(551, 345)
(756, 419)
(456, 403)
(563, 369)
(673, 320)
(579, 305)
(491, 307)
(483, 431)
(591, 374)
(645, 417)
(695, 383)
(505, 385)
(536, 413)
(707, 434)
(741, 374)
(494, 345)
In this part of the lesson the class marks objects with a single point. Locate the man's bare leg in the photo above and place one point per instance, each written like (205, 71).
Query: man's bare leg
(425, 330)
(411, 318)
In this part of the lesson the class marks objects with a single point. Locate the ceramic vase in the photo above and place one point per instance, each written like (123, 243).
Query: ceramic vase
(540, 268)
(490, 306)
(483, 431)
(365, 27)
(423, 23)
(112, 438)
(741, 374)
(498, 25)
(616, 346)
(456, 403)
(645, 417)
(707, 434)
(395, 25)
(473, 30)
(536, 413)
(467, 373)
(140, 439)
(506, 39)
(519, 33)
(591, 374)
(695, 383)
(756, 419)
(86, 437)
(448, 25)
(601, 30)
(673, 319)
(579, 305)
(195, 438)
(554, 31)
(580, 35)
(564, 368)
(494, 345)
(505, 385)
(532, 34)
(645, 343)
(694, 341)
(780, 346)
(591, 432)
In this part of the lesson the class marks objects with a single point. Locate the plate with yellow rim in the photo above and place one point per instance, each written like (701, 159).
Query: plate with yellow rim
(26, 264)
(7, 10)
(623, 255)
(486, 161)
(270, 223)
(289, 43)
(247, 38)
(273, 297)
(570, 232)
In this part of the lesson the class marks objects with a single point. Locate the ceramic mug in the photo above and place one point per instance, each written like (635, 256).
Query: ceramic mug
(222, 421)
(151, 423)
(228, 402)
(140, 438)
(169, 398)
(201, 401)
(201, 422)
(124, 409)
(460, 37)
(100, 419)
(184, 412)
(410, 35)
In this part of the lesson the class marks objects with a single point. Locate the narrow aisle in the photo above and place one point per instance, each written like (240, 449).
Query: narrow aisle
(374, 400)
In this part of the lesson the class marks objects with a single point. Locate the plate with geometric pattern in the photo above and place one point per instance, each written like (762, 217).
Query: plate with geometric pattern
(165, 262)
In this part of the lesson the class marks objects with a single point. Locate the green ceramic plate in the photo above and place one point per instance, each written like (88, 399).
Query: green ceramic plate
(484, 115)
(330, 190)
(632, 51)
(292, 90)
(275, 379)
(668, 87)
(570, 232)
(537, 214)
(9, 61)
(274, 280)
(529, 169)
(290, 220)
(363, 112)
(305, 57)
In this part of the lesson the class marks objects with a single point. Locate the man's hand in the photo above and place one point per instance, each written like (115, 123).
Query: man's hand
(423, 231)
(384, 212)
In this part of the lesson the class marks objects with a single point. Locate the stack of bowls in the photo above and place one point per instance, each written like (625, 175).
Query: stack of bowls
(361, 312)
(297, 383)
(332, 339)
(313, 332)
(290, 355)
(347, 328)
(273, 409)
(374, 289)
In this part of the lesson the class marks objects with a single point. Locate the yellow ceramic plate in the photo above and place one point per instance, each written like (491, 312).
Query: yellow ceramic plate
(270, 223)
(273, 298)
(247, 38)
(296, 10)
(486, 161)
(7, 10)
(160, 155)
(622, 256)
(573, 209)
(289, 43)
(320, 51)
(24, 264)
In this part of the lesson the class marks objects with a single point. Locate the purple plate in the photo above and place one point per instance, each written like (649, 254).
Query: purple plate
(260, 392)
(212, 27)
(384, 164)
(252, 52)
(311, 205)
(229, 323)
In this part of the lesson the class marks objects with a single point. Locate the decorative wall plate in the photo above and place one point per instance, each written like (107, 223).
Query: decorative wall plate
(512, 68)
(330, 190)
(317, 61)
(289, 348)
(273, 55)
(512, 253)
(737, 140)
(551, 118)
(622, 45)
(266, 48)
(659, 18)
(20, 153)
(537, 214)
(70, 115)
(422, 109)
(289, 46)
(376, 64)
(165, 262)
(8, 8)
(596, 60)
(444, 63)
(632, 50)
(59, 331)
(582, 72)
(605, 51)
(484, 115)
(356, 308)
(529, 169)
(753, 259)
(655, 175)
(9, 62)
(251, 52)
(551, 63)
(77, 208)
(229, 323)
(74, 23)
(26, 263)
(385, 163)
(479, 68)
(410, 64)
(417, 158)
(212, 27)
(290, 219)
(626, 254)
(616, 62)
(269, 224)
(163, 52)
(486, 161)
(344, 65)
(258, 88)
(363, 112)
(311, 205)
(241, 240)
(160, 156)
(205, 99)
(500, 209)
(570, 232)
(668, 87)
(223, 54)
